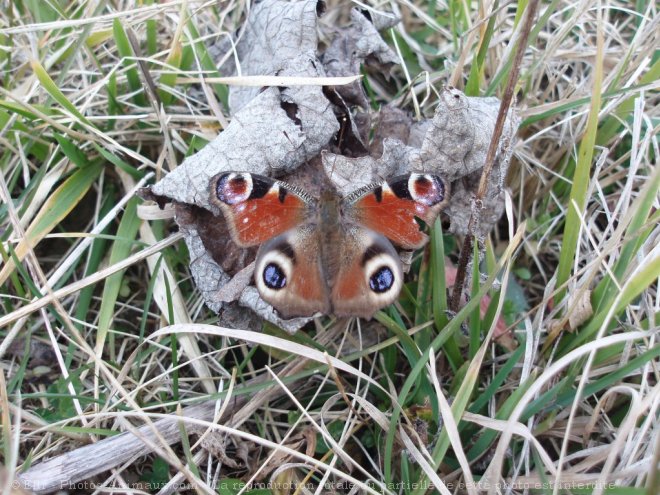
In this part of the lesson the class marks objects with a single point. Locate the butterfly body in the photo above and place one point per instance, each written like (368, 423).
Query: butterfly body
(329, 255)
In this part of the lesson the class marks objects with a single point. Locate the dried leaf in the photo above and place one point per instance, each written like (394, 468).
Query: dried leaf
(232, 290)
(455, 146)
(215, 442)
(243, 451)
(279, 38)
(581, 310)
(393, 123)
(351, 47)
(280, 457)
(396, 159)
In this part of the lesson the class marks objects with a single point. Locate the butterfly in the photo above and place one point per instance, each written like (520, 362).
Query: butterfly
(331, 254)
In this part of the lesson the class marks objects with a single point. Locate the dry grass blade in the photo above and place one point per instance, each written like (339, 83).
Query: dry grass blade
(87, 281)
(279, 81)
(493, 477)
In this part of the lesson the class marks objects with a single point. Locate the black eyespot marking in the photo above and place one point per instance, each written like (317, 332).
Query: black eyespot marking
(274, 277)
(282, 195)
(378, 193)
(260, 187)
(382, 280)
(400, 187)
(287, 250)
(371, 252)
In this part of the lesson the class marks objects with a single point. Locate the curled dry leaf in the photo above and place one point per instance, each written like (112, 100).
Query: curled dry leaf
(581, 310)
(300, 443)
(216, 443)
(318, 137)
(453, 144)
(351, 46)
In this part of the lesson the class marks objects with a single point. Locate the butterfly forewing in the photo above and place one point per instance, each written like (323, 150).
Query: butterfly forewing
(256, 207)
(392, 208)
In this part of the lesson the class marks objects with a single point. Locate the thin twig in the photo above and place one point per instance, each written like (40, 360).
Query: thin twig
(468, 243)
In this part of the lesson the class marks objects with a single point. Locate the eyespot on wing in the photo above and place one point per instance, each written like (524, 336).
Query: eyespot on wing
(370, 276)
(288, 274)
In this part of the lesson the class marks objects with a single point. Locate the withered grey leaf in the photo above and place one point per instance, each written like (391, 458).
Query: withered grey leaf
(348, 174)
(418, 132)
(351, 47)
(455, 145)
(250, 298)
(466, 129)
(232, 290)
(233, 315)
(208, 275)
(393, 123)
(461, 205)
(261, 138)
(581, 309)
(457, 139)
(276, 33)
(273, 132)
(243, 451)
(215, 443)
(450, 136)
(380, 20)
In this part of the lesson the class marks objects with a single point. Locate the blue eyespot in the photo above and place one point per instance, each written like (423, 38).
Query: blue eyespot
(274, 277)
(382, 280)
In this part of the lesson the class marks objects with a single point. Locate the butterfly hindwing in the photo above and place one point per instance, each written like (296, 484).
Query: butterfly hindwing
(289, 275)
(369, 275)
(393, 207)
(256, 207)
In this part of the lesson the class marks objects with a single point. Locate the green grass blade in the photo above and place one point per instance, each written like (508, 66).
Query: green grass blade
(52, 89)
(453, 326)
(126, 51)
(206, 62)
(475, 79)
(643, 206)
(54, 209)
(72, 151)
(168, 79)
(578, 196)
(127, 231)
(119, 163)
(607, 291)
(556, 399)
(96, 253)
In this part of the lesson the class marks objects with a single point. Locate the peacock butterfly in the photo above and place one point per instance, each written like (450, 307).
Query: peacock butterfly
(328, 255)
